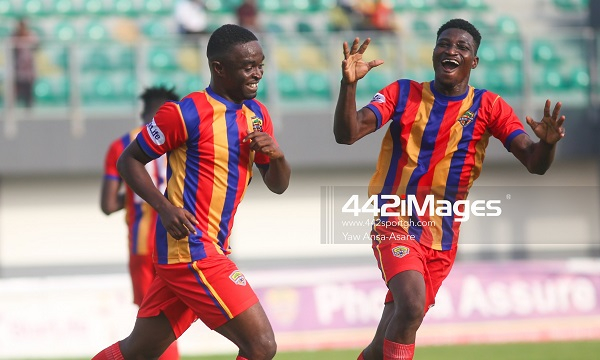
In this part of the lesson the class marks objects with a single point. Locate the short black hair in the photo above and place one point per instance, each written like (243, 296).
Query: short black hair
(225, 37)
(462, 25)
(158, 94)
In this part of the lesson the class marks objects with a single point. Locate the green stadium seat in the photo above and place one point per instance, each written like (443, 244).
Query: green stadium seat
(128, 89)
(487, 53)
(125, 59)
(156, 7)
(154, 28)
(271, 6)
(95, 7)
(99, 89)
(97, 59)
(317, 84)
(513, 52)
(422, 27)
(7, 9)
(65, 31)
(579, 78)
(51, 90)
(507, 26)
(192, 83)
(162, 59)
(33, 8)
(125, 8)
(476, 5)
(222, 6)
(552, 80)
(451, 4)
(544, 52)
(96, 30)
(5, 30)
(65, 8)
(304, 27)
(419, 5)
(288, 86)
(571, 5)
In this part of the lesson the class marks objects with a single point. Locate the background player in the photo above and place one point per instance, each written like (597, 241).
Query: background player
(434, 145)
(139, 216)
(212, 138)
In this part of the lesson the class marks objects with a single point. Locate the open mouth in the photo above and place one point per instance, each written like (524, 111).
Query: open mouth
(450, 64)
(253, 86)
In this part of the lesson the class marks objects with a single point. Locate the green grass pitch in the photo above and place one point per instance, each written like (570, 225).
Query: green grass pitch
(584, 350)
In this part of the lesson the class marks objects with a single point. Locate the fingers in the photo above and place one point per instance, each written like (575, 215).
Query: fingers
(556, 111)
(531, 122)
(364, 46)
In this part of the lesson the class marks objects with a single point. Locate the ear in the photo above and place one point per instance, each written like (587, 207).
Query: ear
(217, 68)
(475, 62)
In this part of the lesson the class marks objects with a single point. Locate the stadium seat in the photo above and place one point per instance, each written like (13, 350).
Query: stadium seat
(222, 6)
(162, 59)
(422, 27)
(271, 6)
(571, 5)
(544, 52)
(418, 5)
(65, 31)
(94, 7)
(97, 59)
(65, 8)
(317, 84)
(487, 53)
(507, 26)
(579, 78)
(33, 8)
(154, 28)
(51, 91)
(476, 5)
(552, 80)
(5, 30)
(99, 89)
(288, 86)
(451, 4)
(125, 58)
(125, 8)
(157, 7)
(7, 9)
(96, 30)
(513, 52)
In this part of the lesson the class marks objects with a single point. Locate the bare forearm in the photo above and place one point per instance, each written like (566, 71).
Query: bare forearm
(135, 175)
(541, 157)
(277, 176)
(345, 124)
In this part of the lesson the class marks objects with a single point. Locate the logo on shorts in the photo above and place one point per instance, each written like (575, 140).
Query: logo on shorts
(378, 98)
(155, 133)
(238, 278)
(400, 251)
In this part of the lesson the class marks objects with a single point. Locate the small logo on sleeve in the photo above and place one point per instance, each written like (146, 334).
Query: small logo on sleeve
(400, 251)
(238, 278)
(155, 133)
(378, 98)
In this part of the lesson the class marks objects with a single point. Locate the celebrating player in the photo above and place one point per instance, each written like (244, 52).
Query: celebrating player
(434, 145)
(212, 138)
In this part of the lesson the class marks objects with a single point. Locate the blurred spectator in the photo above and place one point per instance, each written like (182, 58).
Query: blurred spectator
(345, 16)
(191, 17)
(381, 16)
(25, 43)
(247, 15)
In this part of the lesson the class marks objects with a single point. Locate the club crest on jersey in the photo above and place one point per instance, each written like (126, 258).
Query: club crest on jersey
(378, 98)
(155, 133)
(466, 118)
(400, 251)
(257, 123)
(238, 278)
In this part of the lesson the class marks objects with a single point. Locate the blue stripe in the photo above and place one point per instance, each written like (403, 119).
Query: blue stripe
(456, 170)
(255, 107)
(395, 131)
(161, 243)
(233, 143)
(207, 291)
(192, 122)
(428, 143)
(135, 229)
(511, 137)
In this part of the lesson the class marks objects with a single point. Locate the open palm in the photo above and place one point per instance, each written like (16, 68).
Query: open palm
(354, 67)
(549, 129)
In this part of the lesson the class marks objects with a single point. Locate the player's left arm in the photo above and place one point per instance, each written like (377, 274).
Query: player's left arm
(277, 175)
(537, 157)
(111, 198)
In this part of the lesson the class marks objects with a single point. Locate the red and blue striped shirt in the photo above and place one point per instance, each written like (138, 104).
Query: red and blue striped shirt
(435, 145)
(139, 216)
(208, 167)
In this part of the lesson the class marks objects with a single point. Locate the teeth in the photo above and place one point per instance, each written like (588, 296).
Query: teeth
(451, 61)
(254, 86)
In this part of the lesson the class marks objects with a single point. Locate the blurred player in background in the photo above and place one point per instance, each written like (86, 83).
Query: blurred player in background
(212, 139)
(434, 146)
(140, 217)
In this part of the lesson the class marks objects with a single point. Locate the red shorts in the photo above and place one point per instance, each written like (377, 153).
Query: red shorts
(402, 254)
(212, 290)
(141, 269)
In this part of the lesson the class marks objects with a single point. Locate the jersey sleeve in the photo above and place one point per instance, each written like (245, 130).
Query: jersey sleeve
(110, 160)
(167, 131)
(260, 159)
(505, 125)
(384, 103)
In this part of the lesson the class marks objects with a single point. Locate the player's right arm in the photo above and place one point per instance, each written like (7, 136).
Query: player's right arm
(112, 198)
(350, 125)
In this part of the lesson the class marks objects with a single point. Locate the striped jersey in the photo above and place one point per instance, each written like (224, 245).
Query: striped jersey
(433, 150)
(208, 167)
(139, 216)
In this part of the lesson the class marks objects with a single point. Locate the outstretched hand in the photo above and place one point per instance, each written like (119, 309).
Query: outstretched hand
(549, 129)
(354, 67)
